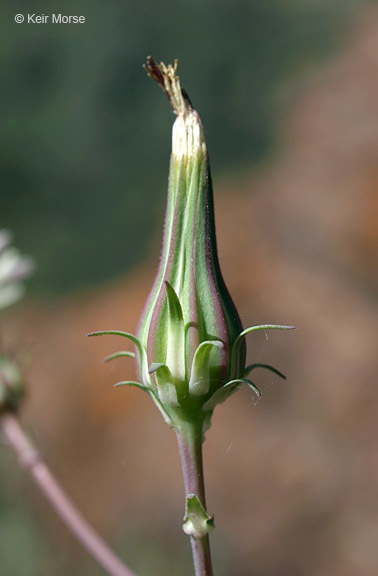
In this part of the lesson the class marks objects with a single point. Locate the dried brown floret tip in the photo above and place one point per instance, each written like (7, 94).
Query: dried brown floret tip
(167, 78)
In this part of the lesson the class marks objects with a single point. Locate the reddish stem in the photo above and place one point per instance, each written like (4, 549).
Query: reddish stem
(31, 460)
(190, 445)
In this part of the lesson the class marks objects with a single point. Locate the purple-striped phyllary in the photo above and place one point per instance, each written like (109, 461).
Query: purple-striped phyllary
(190, 346)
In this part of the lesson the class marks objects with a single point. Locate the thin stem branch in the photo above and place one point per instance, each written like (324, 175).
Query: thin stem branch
(31, 461)
(190, 447)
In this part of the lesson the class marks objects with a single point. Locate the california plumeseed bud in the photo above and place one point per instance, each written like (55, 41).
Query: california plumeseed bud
(190, 322)
(190, 346)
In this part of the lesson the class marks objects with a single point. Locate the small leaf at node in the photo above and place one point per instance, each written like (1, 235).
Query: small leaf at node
(197, 522)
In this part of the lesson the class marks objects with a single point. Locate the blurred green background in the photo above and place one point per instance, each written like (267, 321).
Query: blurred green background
(84, 151)
(86, 136)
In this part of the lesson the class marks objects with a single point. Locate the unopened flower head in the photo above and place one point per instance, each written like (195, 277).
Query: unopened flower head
(189, 323)
(190, 346)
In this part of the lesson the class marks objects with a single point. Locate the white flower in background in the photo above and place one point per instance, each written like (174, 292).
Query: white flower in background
(13, 269)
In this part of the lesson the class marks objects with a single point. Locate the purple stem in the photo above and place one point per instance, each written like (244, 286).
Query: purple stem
(190, 447)
(31, 460)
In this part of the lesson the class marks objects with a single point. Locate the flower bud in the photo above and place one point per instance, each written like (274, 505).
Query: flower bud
(189, 323)
(190, 346)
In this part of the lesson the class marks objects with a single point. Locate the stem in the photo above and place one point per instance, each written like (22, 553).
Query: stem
(31, 460)
(189, 439)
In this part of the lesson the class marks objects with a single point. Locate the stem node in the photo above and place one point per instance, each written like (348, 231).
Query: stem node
(197, 522)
